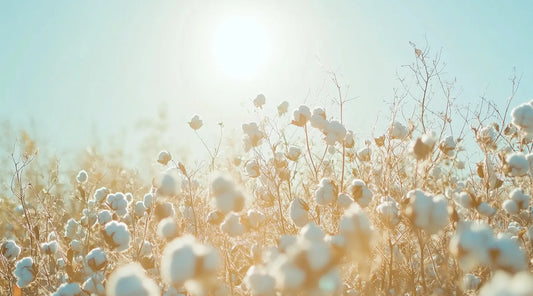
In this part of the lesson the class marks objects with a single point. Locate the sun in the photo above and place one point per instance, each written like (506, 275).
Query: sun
(241, 46)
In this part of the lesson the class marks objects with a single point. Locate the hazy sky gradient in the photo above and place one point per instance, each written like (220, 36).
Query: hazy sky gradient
(75, 71)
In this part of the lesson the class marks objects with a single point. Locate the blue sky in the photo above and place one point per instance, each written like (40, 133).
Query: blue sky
(81, 73)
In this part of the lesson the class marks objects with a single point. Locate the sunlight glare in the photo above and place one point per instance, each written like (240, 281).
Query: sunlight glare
(241, 46)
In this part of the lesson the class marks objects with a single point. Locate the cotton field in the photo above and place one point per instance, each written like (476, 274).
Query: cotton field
(303, 206)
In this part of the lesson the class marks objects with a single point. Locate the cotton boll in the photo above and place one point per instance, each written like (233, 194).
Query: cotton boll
(448, 145)
(259, 281)
(360, 192)
(140, 209)
(326, 192)
(502, 283)
(389, 213)
(283, 108)
(100, 194)
(398, 131)
(514, 228)
(521, 199)
(293, 153)
(94, 285)
(301, 116)
(486, 210)
(71, 229)
(167, 183)
(24, 272)
(517, 164)
(507, 255)
(49, 248)
(230, 201)
(67, 289)
(184, 259)
(104, 216)
(118, 203)
(318, 119)
(164, 157)
(288, 276)
(131, 279)
(167, 229)
(117, 235)
(355, 227)
(232, 225)
(252, 135)
(10, 250)
(510, 207)
(82, 177)
(349, 141)
(471, 282)
(463, 199)
(76, 246)
(470, 244)
(298, 212)
(255, 218)
(252, 169)
(522, 117)
(335, 132)
(96, 259)
(427, 212)
(196, 123)
(259, 101)
(344, 200)
(330, 283)
(312, 232)
(486, 136)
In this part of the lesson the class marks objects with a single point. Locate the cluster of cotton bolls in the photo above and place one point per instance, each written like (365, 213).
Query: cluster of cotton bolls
(306, 263)
(475, 244)
(427, 212)
(517, 201)
(252, 135)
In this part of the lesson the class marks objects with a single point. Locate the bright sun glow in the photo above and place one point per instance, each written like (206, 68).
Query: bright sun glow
(241, 46)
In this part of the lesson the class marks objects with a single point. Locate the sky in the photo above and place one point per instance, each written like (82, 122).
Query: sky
(80, 73)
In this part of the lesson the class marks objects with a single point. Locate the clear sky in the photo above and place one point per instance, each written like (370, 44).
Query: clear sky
(79, 72)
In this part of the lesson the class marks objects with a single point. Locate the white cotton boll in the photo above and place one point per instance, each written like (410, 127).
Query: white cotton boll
(67, 289)
(230, 201)
(140, 209)
(232, 225)
(517, 164)
(255, 218)
(293, 153)
(196, 123)
(118, 203)
(285, 241)
(259, 101)
(252, 169)
(428, 212)
(349, 141)
(470, 244)
(487, 135)
(117, 235)
(460, 165)
(326, 192)
(471, 282)
(389, 213)
(364, 154)
(318, 254)
(448, 145)
(510, 207)
(335, 132)
(10, 250)
(146, 249)
(344, 200)
(486, 210)
(522, 117)
(318, 119)
(49, 248)
(521, 199)
(94, 285)
(24, 272)
(148, 200)
(100, 194)
(179, 262)
(398, 131)
(167, 228)
(360, 192)
(252, 135)
(463, 199)
(283, 108)
(104, 216)
(259, 281)
(435, 172)
(355, 227)
(76, 246)
(312, 232)
(301, 116)
(71, 228)
(96, 259)
(505, 284)
(131, 279)
(507, 255)
(164, 157)
(168, 183)
(82, 177)
(298, 212)
(514, 228)
(288, 276)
